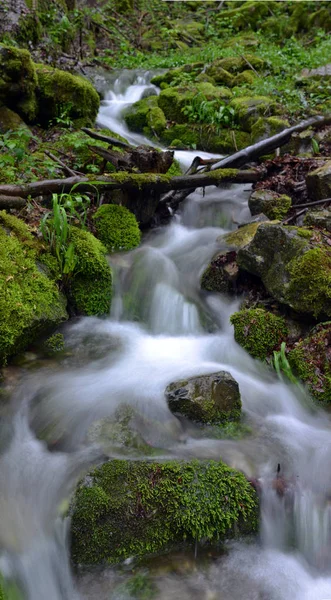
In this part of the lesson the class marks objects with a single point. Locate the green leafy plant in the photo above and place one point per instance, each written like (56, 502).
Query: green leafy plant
(281, 364)
(56, 232)
(315, 146)
(201, 110)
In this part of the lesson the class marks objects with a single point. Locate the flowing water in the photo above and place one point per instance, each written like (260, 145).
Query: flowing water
(163, 327)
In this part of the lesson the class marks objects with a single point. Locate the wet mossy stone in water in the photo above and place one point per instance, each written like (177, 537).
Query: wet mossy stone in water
(137, 116)
(213, 398)
(18, 81)
(90, 288)
(60, 91)
(30, 302)
(294, 266)
(274, 206)
(117, 227)
(258, 331)
(135, 508)
(310, 360)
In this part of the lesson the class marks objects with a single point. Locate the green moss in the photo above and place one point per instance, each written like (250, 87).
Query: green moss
(258, 331)
(156, 120)
(311, 281)
(18, 81)
(249, 14)
(117, 227)
(55, 343)
(29, 302)
(90, 289)
(136, 508)
(267, 126)
(206, 137)
(244, 78)
(274, 206)
(241, 236)
(249, 108)
(175, 169)
(137, 115)
(310, 361)
(10, 121)
(59, 90)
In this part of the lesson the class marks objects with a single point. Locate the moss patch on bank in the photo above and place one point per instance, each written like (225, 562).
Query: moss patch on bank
(137, 508)
(117, 227)
(30, 302)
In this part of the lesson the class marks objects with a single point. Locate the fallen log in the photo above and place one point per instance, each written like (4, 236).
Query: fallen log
(11, 201)
(131, 182)
(239, 159)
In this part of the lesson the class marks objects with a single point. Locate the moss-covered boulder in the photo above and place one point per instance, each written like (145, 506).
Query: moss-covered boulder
(173, 100)
(310, 360)
(258, 331)
(59, 91)
(18, 81)
(220, 75)
(249, 14)
(238, 64)
(294, 265)
(10, 121)
(319, 182)
(248, 109)
(265, 127)
(137, 508)
(207, 138)
(117, 227)
(30, 302)
(136, 116)
(211, 398)
(319, 218)
(273, 205)
(176, 76)
(90, 288)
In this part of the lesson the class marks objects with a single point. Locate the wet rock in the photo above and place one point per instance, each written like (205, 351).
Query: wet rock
(135, 508)
(265, 127)
(213, 398)
(319, 218)
(10, 121)
(319, 182)
(273, 205)
(294, 265)
(310, 360)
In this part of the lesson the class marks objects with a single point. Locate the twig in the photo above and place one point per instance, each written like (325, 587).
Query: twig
(293, 217)
(312, 203)
(65, 168)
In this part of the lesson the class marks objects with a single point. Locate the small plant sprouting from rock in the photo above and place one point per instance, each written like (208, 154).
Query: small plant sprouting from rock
(281, 364)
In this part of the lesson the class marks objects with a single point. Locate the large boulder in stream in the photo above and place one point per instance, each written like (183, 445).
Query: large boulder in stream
(30, 301)
(294, 265)
(135, 508)
(213, 398)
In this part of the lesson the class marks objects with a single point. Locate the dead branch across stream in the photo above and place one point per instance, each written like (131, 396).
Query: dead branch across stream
(131, 182)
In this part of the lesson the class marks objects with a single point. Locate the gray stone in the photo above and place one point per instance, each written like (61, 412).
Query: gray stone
(319, 182)
(213, 398)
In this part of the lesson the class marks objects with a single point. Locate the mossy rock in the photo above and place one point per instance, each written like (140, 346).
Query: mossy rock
(156, 120)
(18, 81)
(213, 398)
(251, 13)
(249, 108)
(274, 206)
(318, 218)
(90, 289)
(220, 75)
(117, 227)
(10, 121)
(294, 266)
(60, 91)
(258, 331)
(30, 302)
(310, 360)
(265, 127)
(136, 116)
(247, 77)
(178, 75)
(319, 182)
(137, 508)
(173, 100)
(238, 64)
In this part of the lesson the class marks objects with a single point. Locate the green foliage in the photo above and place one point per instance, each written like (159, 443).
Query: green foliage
(29, 301)
(18, 81)
(281, 364)
(201, 110)
(135, 508)
(56, 231)
(139, 586)
(117, 227)
(55, 343)
(258, 331)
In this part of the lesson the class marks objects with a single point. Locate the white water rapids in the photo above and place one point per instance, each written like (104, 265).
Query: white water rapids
(162, 327)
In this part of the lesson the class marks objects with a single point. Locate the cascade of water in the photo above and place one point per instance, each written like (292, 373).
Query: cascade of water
(164, 328)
